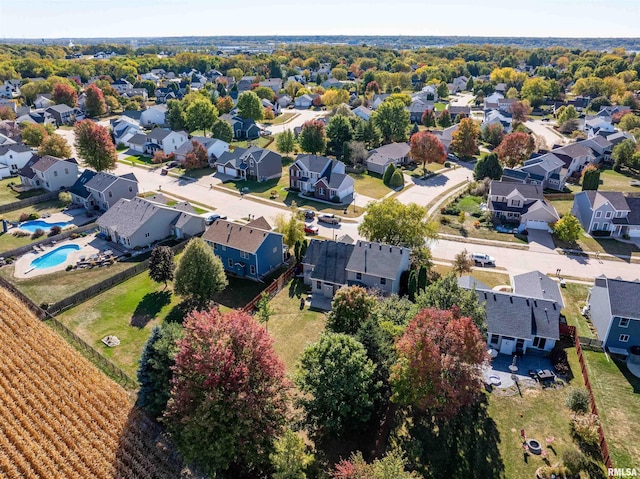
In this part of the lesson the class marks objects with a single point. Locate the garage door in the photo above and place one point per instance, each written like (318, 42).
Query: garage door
(634, 233)
(230, 171)
(537, 225)
(221, 169)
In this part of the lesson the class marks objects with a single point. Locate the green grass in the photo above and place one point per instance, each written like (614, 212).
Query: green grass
(262, 142)
(262, 189)
(7, 195)
(291, 328)
(8, 241)
(490, 278)
(470, 204)
(439, 106)
(617, 394)
(418, 172)
(562, 206)
(370, 184)
(468, 230)
(129, 311)
(615, 181)
(603, 245)
(140, 160)
(282, 118)
(575, 297)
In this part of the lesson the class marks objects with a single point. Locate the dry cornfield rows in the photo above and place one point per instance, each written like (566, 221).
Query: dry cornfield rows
(61, 417)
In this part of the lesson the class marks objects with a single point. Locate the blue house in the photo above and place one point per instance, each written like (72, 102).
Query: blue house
(614, 306)
(249, 251)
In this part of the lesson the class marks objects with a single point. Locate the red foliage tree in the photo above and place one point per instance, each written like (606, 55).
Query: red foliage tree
(229, 394)
(225, 104)
(95, 146)
(7, 113)
(520, 111)
(317, 101)
(427, 148)
(440, 356)
(197, 157)
(373, 87)
(64, 94)
(94, 105)
(515, 148)
(159, 157)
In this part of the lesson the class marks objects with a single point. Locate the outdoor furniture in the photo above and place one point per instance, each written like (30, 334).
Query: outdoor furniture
(545, 375)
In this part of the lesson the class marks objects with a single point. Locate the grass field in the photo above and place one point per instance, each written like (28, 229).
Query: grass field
(370, 184)
(7, 195)
(291, 328)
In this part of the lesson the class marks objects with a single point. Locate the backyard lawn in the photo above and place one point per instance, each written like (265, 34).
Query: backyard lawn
(614, 181)
(291, 328)
(575, 297)
(7, 195)
(562, 206)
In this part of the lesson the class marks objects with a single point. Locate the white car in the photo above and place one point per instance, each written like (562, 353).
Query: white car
(483, 259)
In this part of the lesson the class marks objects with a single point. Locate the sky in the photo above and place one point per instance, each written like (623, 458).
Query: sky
(158, 18)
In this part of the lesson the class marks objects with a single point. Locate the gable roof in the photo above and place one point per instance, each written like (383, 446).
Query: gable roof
(376, 259)
(535, 284)
(599, 198)
(260, 223)
(504, 188)
(382, 154)
(47, 161)
(127, 216)
(103, 180)
(159, 133)
(314, 163)
(237, 156)
(329, 260)
(79, 187)
(15, 147)
(240, 237)
(624, 296)
(138, 139)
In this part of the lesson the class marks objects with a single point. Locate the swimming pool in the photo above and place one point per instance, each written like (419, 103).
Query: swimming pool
(55, 257)
(31, 226)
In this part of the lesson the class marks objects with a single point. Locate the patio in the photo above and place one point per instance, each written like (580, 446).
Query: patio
(499, 368)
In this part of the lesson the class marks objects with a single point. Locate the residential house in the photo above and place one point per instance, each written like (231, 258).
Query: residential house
(363, 112)
(164, 139)
(274, 83)
(10, 89)
(244, 84)
(253, 163)
(545, 170)
(501, 88)
(521, 203)
(380, 158)
(64, 114)
(106, 190)
(491, 101)
(595, 125)
(137, 143)
(608, 213)
(284, 101)
(305, 101)
(446, 135)
(378, 99)
(330, 265)
(49, 172)
(121, 86)
(331, 83)
(497, 117)
(417, 108)
(455, 110)
(37, 117)
(430, 92)
(13, 157)
(163, 95)
(537, 285)
(243, 128)
(138, 222)
(123, 129)
(505, 104)
(154, 116)
(274, 107)
(215, 148)
(80, 196)
(321, 177)
(614, 308)
(460, 83)
(245, 250)
(43, 101)
(619, 137)
(136, 92)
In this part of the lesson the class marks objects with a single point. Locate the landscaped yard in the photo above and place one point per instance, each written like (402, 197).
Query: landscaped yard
(7, 195)
(282, 118)
(370, 184)
(141, 160)
(490, 278)
(262, 142)
(603, 245)
(291, 328)
(418, 172)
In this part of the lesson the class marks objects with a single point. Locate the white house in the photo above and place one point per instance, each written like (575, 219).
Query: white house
(153, 116)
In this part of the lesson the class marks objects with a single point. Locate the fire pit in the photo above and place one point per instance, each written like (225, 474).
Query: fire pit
(534, 446)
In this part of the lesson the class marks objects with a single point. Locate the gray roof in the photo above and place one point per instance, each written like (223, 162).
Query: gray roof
(104, 180)
(336, 180)
(158, 133)
(61, 108)
(624, 297)
(79, 188)
(17, 147)
(377, 259)
(138, 139)
(469, 282)
(634, 215)
(383, 154)
(537, 285)
(239, 155)
(241, 237)
(599, 198)
(47, 161)
(502, 188)
(126, 216)
(314, 163)
(329, 260)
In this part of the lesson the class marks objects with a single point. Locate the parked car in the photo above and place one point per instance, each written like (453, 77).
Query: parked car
(452, 157)
(164, 172)
(173, 164)
(329, 219)
(483, 259)
(309, 214)
(311, 229)
(211, 218)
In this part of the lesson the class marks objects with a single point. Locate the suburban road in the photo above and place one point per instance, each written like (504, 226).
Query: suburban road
(514, 260)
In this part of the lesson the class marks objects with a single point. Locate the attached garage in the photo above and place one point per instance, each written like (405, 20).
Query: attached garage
(634, 232)
(227, 170)
(537, 225)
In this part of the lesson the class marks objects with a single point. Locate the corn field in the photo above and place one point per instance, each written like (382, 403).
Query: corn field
(61, 417)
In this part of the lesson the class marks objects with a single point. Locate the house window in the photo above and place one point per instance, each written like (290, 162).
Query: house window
(130, 189)
(55, 173)
(230, 263)
(595, 227)
(624, 338)
(244, 254)
(251, 162)
(358, 275)
(598, 214)
(515, 202)
(252, 268)
(110, 194)
(494, 338)
(607, 214)
(215, 246)
(539, 342)
(623, 322)
(321, 191)
(383, 280)
(275, 249)
(318, 285)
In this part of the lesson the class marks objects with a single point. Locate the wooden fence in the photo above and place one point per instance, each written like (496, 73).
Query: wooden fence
(34, 200)
(273, 289)
(570, 331)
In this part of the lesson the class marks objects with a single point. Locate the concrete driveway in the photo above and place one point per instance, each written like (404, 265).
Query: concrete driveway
(303, 116)
(541, 241)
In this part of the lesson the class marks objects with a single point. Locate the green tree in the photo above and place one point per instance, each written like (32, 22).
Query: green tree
(590, 178)
(444, 119)
(368, 133)
(154, 372)
(392, 119)
(442, 90)
(286, 142)
(290, 458)
(222, 130)
(249, 106)
(161, 264)
(629, 122)
(422, 277)
(312, 138)
(388, 173)
(623, 153)
(291, 227)
(429, 119)
(175, 115)
(200, 273)
(94, 145)
(350, 308)
(264, 92)
(397, 179)
(413, 285)
(339, 132)
(534, 89)
(201, 115)
(55, 145)
(335, 378)
(264, 311)
(493, 134)
(567, 228)
(33, 134)
(488, 167)
(566, 113)
(391, 222)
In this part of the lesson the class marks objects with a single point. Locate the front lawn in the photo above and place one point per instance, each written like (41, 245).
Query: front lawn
(141, 160)
(490, 278)
(7, 195)
(291, 328)
(370, 184)
(262, 189)
(262, 142)
(282, 118)
(592, 244)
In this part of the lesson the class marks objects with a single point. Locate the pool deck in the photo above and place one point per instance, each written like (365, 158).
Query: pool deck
(76, 216)
(88, 245)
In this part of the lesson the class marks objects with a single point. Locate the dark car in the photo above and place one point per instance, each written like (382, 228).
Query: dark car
(211, 218)
(452, 157)
(329, 219)
(309, 214)
(164, 172)
(173, 164)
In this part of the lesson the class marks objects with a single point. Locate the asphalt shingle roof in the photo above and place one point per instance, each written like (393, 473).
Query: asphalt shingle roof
(624, 297)
(535, 284)
(614, 198)
(329, 260)
(79, 187)
(376, 259)
(502, 188)
(240, 237)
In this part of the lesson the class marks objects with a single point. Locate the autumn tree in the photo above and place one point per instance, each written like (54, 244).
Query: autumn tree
(94, 145)
(161, 264)
(534, 89)
(488, 167)
(200, 273)
(590, 178)
(312, 138)
(94, 104)
(567, 228)
(229, 394)
(427, 148)
(339, 132)
(197, 157)
(64, 94)
(201, 115)
(391, 222)
(286, 142)
(249, 106)
(222, 130)
(392, 119)
(493, 134)
(515, 149)
(520, 111)
(55, 145)
(429, 119)
(33, 134)
(335, 97)
(290, 458)
(155, 369)
(465, 139)
(444, 119)
(351, 306)
(291, 227)
(441, 355)
(7, 113)
(391, 466)
(224, 104)
(462, 263)
(335, 378)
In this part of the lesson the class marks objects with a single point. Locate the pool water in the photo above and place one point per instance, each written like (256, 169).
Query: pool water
(55, 257)
(31, 226)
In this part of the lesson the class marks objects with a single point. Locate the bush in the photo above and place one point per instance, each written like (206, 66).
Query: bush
(447, 164)
(37, 233)
(55, 230)
(121, 146)
(44, 306)
(575, 461)
(584, 430)
(64, 197)
(335, 199)
(559, 359)
(23, 217)
(21, 233)
(445, 221)
(549, 472)
(397, 179)
(34, 216)
(452, 210)
(578, 401)
(69, 267)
